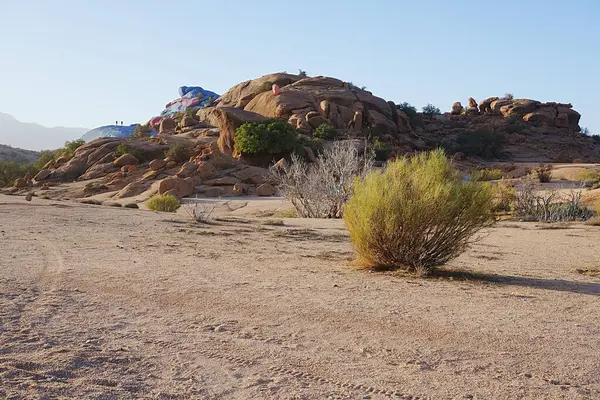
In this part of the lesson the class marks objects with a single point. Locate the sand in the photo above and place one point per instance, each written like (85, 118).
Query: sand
(99, 302)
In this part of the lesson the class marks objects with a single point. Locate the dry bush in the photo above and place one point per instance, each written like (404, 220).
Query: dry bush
(199, 212)
(589, 178)
(549, 206)
(164, 203)
(503, 198)
(543, 173)
(416, 214)
(320, 189)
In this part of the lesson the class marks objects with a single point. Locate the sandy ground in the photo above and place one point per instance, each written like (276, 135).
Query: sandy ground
(99, 302)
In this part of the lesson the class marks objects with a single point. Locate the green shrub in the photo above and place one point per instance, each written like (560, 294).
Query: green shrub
(381, 149)
(302, 74)
(125, 148)
(69, 149)
(178, 152)
(264, 138)
(325, 132)
(142, 131)
(416, 214)
(10, 171)
(411, 113)
(543, 173)
(481, 143)
(266, 86)
(430, 110)
(503, 197)
(484, 175)
(589, 178)
(164, 203)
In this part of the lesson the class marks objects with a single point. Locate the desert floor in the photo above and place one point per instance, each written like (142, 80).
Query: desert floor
(99, 302)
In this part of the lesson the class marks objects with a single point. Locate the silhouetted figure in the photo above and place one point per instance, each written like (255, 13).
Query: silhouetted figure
(121, 122)
(116, 122)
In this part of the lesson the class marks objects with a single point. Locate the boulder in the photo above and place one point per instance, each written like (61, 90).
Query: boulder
(473, 104)
(562, 120)
(403, 122)
(572, 115)
(457, 108)
(240, 189)
(278, 106)
(187, 170)
(176, 186)
(94, 187)
(265, 190)
(132, 189)
(74, 168)
(167, 126)
(496, 105)
(381, 123)
(20, 183)
(484, 106)
(357, 121)
(125, 159)
(157, 164)
(241, 94)
(254, 175)
(374, 102)
(315, 119)
(227, 120)
(42, 175)
(224, 181)
(519, 107)
(187, 121)
(109, 158)
(99, 170)
(214, 191)
(60, 162)
(206, 170)
(29, 196)
(542, 116)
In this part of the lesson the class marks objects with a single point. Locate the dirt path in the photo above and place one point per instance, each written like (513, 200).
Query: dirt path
(104, 303)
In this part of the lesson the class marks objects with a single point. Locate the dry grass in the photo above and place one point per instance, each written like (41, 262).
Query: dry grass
(593, 271)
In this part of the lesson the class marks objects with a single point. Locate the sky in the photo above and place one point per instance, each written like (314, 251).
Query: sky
(86, 63)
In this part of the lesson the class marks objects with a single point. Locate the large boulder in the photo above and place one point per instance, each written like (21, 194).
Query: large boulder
(382, 124)
(542, 116)
(457, 108)
(288, 100)
(20, 183)
(519, 107)
(178, 187)
(241, 94)
(99, 170)
(255, 175)
(187, 170)
(42, 175)
(126, 159)
(206, 170)
(265, 190)
(473, 104)
(484, 105)
(157, 164)
(167, 126)
(227, 119)
(572, 117)
(132, 189)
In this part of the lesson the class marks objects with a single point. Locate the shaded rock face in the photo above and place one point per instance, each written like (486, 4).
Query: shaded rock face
(307, 103)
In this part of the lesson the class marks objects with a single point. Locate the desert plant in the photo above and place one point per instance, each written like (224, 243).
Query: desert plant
(320, 189)
(142, 131)
(70, 148)
(381, 149)
(430, 110)
(325, 132)
(199, 212)
(589, 178)
(508, 96)
(263, 138)
(488, 174)
(164, 203)
(178, 152)
(10, 171)
(481, 143)
(416, 214)
(549, 206)
(302, 74)
(411, 113)
(124, 148)
(503, 197)
(543, 173)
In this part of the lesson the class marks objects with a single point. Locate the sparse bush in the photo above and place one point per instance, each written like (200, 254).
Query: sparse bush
(10, 171)
(70, 148)
(503, 197)
(411, 113)
(142, 131)
(549, 206)
(325, 132)
(543, 173)
(596, 138)
(417, 214)
(508, 96)
(124, 148)
(589, 178)
(314, 143)
(266, 86)
(199, 212)
(430, 110)
(481, 143)
(164, 203)
(320, 189)
(178, 152)
(302, 74)
(263, 138)
(484, 175)
(381, 149)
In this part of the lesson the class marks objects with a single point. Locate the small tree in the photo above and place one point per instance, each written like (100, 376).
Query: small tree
(544, 173)
(179, 153)
(142, 131)
(302, 74)
(265, 138)
(325, 132)
(508, 96)
(417, 214)
(320, 189)
(430, 110)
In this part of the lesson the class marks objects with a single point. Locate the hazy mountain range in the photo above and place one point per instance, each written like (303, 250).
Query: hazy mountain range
(33, 136)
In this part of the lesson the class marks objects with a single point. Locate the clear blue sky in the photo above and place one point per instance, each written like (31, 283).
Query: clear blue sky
(91, 62)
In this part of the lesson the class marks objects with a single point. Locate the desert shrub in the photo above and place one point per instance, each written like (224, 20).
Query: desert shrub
(320, 189)
(503, 197)
(45, 157)
(411, 113)
(315, 144)
(10, 171)
(508, 96)
(416, 214)
(70, 147)
(266, 86)
(199, 212)
(326, 132)
(269, 137)
(302, 74)
(381, 149)
(124, 148)
(589, 178)
(164, 203)
(488, 174)
(430, 110)
(543, 173)
(178, 152)
(481, 143)
(142, 131)
(549, 206)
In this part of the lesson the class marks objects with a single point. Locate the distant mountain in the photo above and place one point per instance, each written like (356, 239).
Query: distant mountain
(34, 136)
(20, 156)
